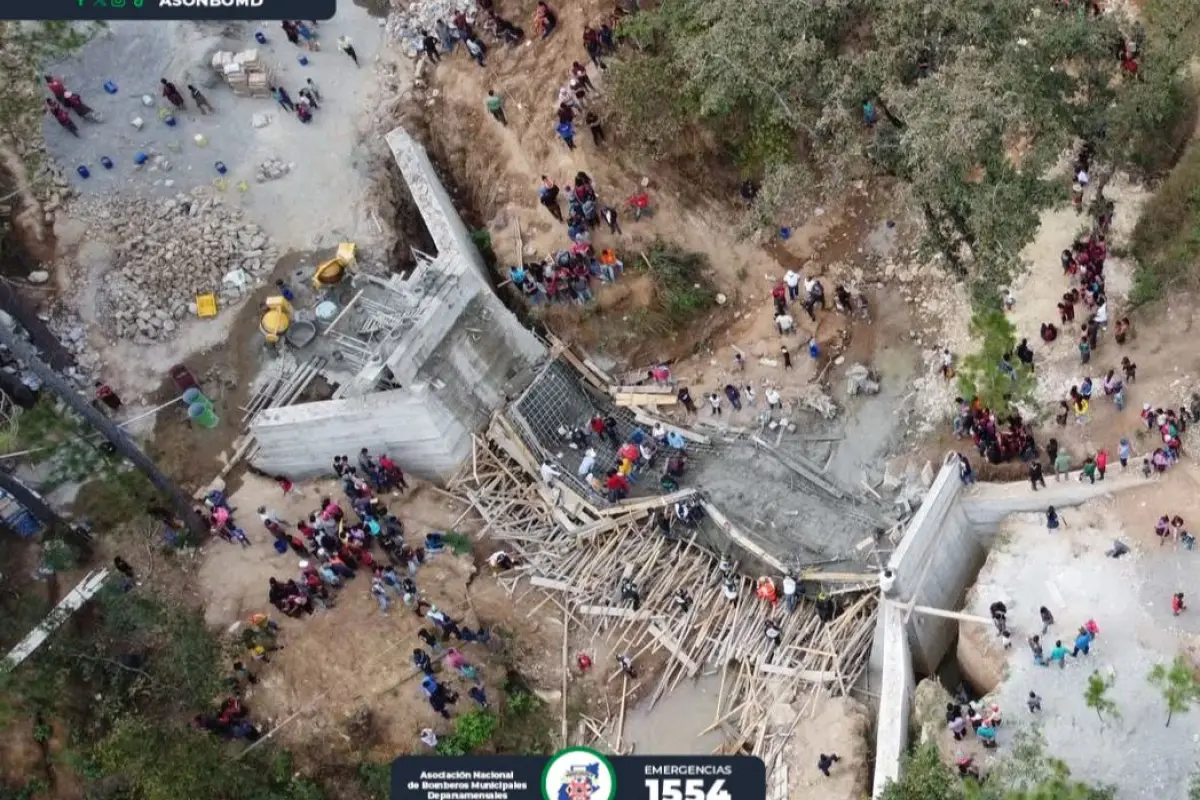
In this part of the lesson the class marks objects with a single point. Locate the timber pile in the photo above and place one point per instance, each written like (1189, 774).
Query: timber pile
(576, 556)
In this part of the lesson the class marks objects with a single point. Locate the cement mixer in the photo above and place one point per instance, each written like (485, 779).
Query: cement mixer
(332, 272)
(275, 319)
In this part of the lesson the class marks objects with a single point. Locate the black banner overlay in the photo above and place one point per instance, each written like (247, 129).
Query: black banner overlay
(579, 774)
(169, 9)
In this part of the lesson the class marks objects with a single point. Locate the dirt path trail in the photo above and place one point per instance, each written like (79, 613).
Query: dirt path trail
(501, 166)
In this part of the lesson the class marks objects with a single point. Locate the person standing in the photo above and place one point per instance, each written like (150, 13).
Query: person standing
(827, 761)
(786, 355)
(1123, 452)
(200, 100)
(965, 473)
(1101, 463)
(1035, 475)
(1047, 619)
(108, 397)
(714, 400)
(346, 46)
(566, 132)
(592, 120)
(548, 196)
(1062, 464)
(1177, 605)
(685, 397)
(475, 50)
(283, 98)
(1034, 702)
(123, 567)
(429, 44)
(172, 93)
(495, 106)
(1059, 653)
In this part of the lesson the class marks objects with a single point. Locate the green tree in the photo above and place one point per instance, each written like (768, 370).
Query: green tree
(172, 761)
(981, 373)
(1025, 772)
(1096, 695)
(472, 731)
(973, 102)
(1178, 685)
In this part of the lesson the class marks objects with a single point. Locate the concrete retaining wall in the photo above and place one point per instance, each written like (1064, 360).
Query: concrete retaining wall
(940, 555)
(462, 358)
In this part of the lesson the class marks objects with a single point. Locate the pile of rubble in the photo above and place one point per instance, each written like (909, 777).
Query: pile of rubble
(273, 169)
(170, 251)
(405, 25)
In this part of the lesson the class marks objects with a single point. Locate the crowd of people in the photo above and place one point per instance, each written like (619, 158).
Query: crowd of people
(567, 274)
(64, 102)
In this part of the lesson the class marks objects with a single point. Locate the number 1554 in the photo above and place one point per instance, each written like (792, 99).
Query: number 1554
(689, 789)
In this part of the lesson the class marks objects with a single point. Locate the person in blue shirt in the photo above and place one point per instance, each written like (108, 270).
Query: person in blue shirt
(1083, 642)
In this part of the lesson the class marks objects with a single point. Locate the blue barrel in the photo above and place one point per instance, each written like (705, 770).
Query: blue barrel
(260, 37)
(170, 120)
(280, 546)
(106, 162)
(24, 523)
(83, 171)
(110, 87)
(221, 168)
(140, 158)
(194, 395)
(303, 61)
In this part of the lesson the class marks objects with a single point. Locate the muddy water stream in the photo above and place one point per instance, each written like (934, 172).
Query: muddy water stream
(671, 727)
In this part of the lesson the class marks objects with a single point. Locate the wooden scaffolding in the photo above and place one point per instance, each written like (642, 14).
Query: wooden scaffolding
(576, 556)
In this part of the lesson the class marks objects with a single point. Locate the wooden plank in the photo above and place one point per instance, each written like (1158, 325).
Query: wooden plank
(803, 471)
(741, 539)
(630, 399)
(669, 643)
(646, 418)
(558, 586)
(869, 578)
(72, 602)
(626, 506)
(618, 612)
(650, 388)
(810, 675)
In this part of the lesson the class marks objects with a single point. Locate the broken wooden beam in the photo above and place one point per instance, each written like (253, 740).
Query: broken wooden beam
(741, 539)
(671, 645)
(840, 577)
(548, 583)
(804, 471)
(809, 675)
(620, 612)
(628, 399)
(648, 504)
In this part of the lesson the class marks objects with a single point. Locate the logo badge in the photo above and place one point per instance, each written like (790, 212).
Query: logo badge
(579, 774)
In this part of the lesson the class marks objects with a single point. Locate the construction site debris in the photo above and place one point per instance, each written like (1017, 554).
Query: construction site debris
(861, 380)
(167, 253)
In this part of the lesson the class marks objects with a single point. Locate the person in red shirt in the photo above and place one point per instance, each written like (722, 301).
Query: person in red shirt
(597, 425)
(107, 396)
(1177, 603)
(55, 85)
(617, 486)
(1101, 463)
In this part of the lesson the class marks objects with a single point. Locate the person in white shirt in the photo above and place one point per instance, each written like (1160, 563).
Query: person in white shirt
(773, 399)
(1102, 314)
(1082, 178)
(792, 279)
(549, 473)
(785, 324)
(589, 461)
(714, 400)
